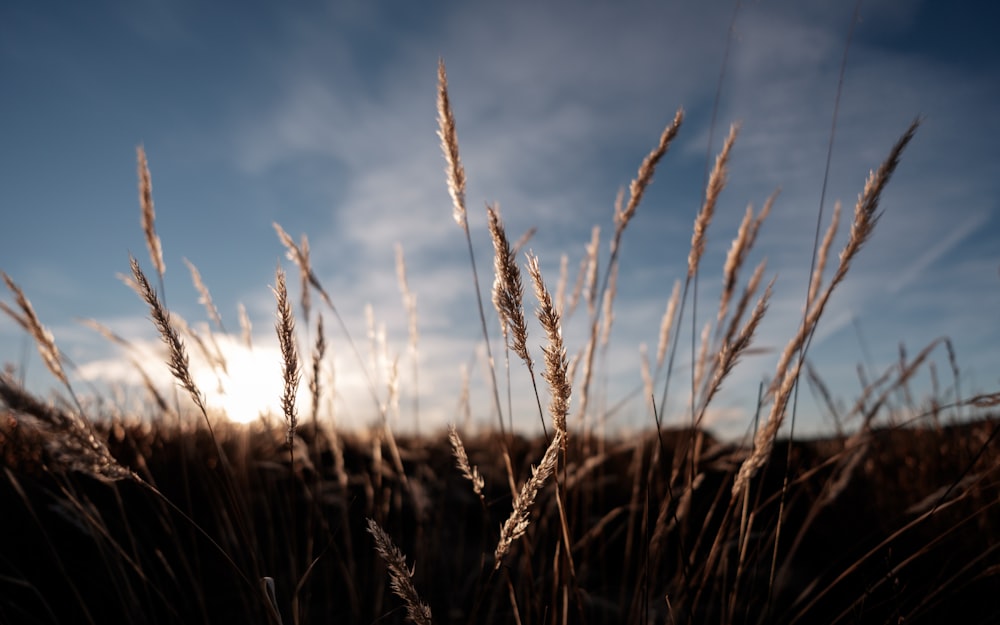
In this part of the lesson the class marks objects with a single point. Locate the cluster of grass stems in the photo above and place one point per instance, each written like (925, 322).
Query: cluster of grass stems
(181, 519)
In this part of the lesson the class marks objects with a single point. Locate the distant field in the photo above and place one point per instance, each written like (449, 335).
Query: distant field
(894, 524)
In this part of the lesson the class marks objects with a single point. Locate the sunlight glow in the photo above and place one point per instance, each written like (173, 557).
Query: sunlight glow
(251, 384)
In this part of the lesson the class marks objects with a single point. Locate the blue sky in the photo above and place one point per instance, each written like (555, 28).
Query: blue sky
(321, 116)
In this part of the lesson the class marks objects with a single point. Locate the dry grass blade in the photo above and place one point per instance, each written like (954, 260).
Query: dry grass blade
(645, 174)
(667, 323)
(205, 296)
(285, 327)
(319, 352)
(413, 331)
(148, 213)
(449, 145)
(741, 246)
(246, 327)
(716, 182)
(590, 280)
(400, 575)
(555, 352)
(517, 523)
(29, 321)
(741, 306)
(306, 299)
(301, 260)
(561, 284)
(822, 255)
(178, 362)
(508, 292)
(607, 308)
(470, 472)
(523, 240)
(731, 350)
(865, 218)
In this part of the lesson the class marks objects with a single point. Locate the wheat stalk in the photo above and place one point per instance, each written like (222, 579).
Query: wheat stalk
(555, 352)
(319, 352)
(590, 280)
(449, 145)
(205, 296)
(470, 472)
(306, 299)
(148, 213)
(178, 362)
(246, 327)
(643, 178)
(666, 323)
(740, 248)
(517, 523)
(400, 575)
(508, 292)
(821, 256)
(29, 321)
(716, 182)
(865, 218)
(285, 327)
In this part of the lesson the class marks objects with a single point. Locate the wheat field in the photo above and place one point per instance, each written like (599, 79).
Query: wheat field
(192, 518)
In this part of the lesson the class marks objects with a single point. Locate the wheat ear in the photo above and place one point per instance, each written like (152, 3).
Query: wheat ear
(400, 575)
(178, 362)
(148, 213)
(555, 352)
(865, 217)
(518, 521)
(205, 296)
(285, 327)
(716, 182)
(29, 321)
(449, 145)
(470, 472)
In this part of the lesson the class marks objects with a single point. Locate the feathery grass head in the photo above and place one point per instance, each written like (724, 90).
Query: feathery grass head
(30, 323)
(508, 292)
(449, 145)
(148, 213)
(786, 374)
(285, 327)
(204, 296)
(645, 174)
(518, 521)
(470, 472)
(555, 352)
(716, 182)
(178, 362)
(400, 575)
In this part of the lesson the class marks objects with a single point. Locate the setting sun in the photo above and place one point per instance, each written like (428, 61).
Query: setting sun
(249, 387)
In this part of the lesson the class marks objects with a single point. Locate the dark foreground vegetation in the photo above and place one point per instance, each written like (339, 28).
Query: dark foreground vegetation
(893, 525)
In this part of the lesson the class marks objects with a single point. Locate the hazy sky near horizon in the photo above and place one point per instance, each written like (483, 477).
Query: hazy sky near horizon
(321, 117)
